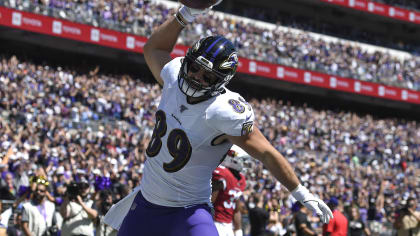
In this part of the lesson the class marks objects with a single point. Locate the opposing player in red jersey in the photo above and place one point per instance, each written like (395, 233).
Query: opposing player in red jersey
(228, 186)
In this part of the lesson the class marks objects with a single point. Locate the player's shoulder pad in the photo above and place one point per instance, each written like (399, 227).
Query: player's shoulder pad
(218, 170)
(221, 168)
(230, 114)
(170, 71)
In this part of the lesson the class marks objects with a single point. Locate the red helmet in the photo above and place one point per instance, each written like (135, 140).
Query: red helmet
(236, 158)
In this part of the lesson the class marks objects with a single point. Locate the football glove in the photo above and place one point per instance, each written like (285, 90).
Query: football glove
(302, 194)
(189, 14)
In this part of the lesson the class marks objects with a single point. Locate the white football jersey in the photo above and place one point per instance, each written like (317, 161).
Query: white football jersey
(182, 154)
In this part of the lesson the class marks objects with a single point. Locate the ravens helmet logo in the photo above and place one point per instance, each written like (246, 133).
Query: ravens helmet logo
(231, 62)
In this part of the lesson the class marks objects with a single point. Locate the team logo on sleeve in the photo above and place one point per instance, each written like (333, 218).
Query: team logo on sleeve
(247, 128)
(248, 117)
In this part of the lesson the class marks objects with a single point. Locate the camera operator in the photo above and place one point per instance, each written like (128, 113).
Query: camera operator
(408, 221)
(38, 213)
(77, 211)
(104, 204)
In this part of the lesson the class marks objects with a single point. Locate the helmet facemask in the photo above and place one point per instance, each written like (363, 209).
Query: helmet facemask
(213, 72)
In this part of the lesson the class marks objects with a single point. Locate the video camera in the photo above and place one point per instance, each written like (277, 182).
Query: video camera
(76, 188)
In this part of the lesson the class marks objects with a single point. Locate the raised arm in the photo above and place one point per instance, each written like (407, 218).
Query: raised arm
(158, 48)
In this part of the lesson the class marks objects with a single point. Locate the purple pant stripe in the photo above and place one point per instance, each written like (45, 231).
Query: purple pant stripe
(147, 219)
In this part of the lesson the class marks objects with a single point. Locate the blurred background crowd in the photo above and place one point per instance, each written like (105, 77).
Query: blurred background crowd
(271, 43)
(65, 127)
(77, 140)
(408, 4)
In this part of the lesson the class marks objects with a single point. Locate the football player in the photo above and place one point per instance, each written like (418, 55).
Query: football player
(228, 185)
(198, 119)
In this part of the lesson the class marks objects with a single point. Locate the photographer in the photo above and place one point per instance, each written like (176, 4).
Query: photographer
(408, 221)
(38, 213)
(104, 204)
(77, 211)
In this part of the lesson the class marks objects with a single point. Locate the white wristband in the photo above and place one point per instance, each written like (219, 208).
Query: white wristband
(239, 232)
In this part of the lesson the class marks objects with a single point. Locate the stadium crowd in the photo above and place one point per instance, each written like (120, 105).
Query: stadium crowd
(61, 126)
(305, 22)
(291, 48)
(408, 4)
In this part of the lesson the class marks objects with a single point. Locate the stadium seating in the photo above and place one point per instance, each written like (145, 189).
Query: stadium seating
(98, 125)
(272, 44)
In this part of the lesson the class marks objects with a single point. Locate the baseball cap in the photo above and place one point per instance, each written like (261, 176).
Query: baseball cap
(333, 201)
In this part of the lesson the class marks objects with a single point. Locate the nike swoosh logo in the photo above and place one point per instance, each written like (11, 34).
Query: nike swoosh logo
(248, 117)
